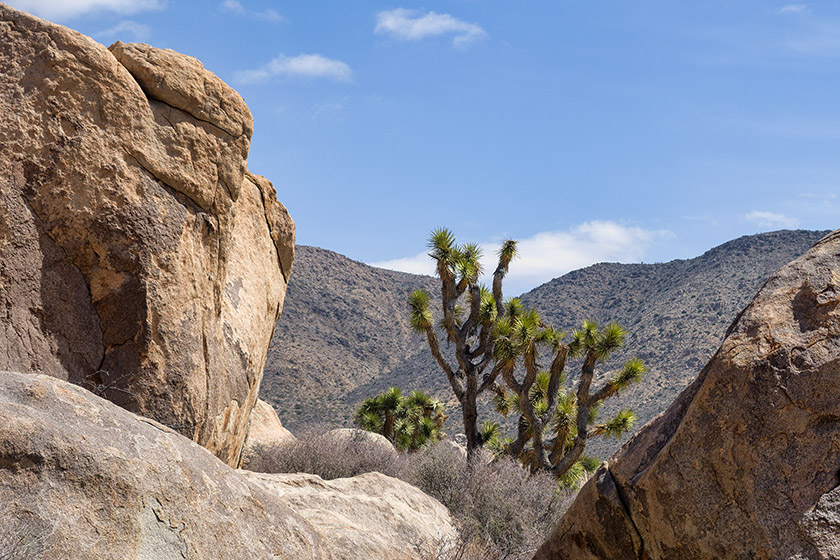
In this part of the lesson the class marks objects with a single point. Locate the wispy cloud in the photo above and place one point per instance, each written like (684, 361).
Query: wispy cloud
(64, 9)
(550, 254)
(300, 66)
(135, 30)
(771, 219)
(794, 9)
(818, 38)
(412, 25)
(266, 15)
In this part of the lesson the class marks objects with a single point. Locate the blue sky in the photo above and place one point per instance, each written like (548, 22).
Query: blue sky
(590, 131)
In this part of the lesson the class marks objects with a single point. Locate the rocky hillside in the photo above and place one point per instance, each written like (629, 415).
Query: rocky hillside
(344, 333)
(343, 329)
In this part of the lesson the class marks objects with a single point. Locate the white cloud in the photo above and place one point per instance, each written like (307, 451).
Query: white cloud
(772, 219)
(63, 9)
(411, 25)
(550, 254)
(266, 15)
(137, 31)
(302, 65)
(794, 9)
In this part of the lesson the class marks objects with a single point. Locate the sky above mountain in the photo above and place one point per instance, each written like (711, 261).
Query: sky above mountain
(590, 131)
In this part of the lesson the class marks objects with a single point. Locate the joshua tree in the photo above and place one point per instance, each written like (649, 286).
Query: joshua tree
(408, 422)
(497, 334)
(541, 398)
(459, 267)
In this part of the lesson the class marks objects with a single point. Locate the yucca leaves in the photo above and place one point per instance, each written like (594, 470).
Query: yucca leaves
(514, 307)
(632, 372)
(487, 311)
(609, 340)
(617, 426)
(420, 314)
(490, 431)
(409, 422)
(468, 262)
(507, 253)
(442, 246)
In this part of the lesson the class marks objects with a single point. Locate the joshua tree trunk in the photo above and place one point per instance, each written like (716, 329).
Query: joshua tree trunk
(458, 268)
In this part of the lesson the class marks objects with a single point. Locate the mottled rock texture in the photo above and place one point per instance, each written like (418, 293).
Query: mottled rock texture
(138, 256)
(345, 437)
(103, 483)
(107, 484)
(265, 433)
(744, 464)
(367, 516)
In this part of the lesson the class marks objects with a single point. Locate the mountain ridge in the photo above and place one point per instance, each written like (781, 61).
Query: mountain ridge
(344, 333)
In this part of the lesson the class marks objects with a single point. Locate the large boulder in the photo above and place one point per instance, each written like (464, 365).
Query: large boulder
(266, 435)
(371, 442)
(103, 483)
(367, 516)
(744, 464)
(83, 478)
(138, 256)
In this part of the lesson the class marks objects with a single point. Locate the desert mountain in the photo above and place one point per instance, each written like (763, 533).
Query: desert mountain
(344, 333)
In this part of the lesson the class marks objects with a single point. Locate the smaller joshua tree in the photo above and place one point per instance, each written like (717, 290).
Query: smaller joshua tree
(408, 422)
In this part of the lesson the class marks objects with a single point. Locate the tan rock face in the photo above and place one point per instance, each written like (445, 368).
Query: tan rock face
(367, 516)
(102, 483)
(138, 256)
(745, 463)
(95, 481)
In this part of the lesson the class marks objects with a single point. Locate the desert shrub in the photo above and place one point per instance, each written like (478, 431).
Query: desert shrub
(327, 457)
(503, 511)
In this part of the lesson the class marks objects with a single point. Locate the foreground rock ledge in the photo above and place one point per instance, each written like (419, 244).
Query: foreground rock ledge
(98, 482)
(744, 464)
(138, 256)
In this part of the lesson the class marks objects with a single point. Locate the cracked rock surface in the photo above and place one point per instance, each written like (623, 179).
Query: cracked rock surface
(96, 482)
(138, 256)
(106, 484)
(746, 462)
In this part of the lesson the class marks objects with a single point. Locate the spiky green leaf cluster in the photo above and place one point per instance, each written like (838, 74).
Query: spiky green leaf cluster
(507, 252)
(421, 315)
(631, 373)
(590, 339)
(460, 261)
(442, 246)
(409, 422)
(579, 472)
(617, 426)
